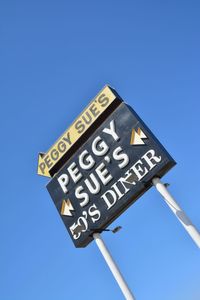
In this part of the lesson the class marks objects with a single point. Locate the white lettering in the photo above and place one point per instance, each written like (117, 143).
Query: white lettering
(94, 213)
(103, 174)
(151, 158)
(111, 200)
(81, 195)
(89, 160)
(112, 131)
(138, 170)
(121, 156)
(63, 181)
(96, 186)
(74, 172)
(101, 148)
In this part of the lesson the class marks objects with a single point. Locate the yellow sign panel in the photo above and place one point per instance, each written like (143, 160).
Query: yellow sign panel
(91, 113)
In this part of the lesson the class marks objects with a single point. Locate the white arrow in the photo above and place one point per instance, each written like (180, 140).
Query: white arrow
(66, 208)
(137, 137)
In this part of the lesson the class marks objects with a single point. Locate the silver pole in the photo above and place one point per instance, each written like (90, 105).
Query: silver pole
(177, 210)
(113, 267)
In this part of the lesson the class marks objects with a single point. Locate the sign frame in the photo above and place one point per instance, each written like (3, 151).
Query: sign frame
(134, 134)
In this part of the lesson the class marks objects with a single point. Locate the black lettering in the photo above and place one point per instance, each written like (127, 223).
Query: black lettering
(67, 139)
(61, 147)
(87, 121)
(54, 154)
(103, 100)
(80, 127)
(48, 161)
(42, 167)
(94, 110)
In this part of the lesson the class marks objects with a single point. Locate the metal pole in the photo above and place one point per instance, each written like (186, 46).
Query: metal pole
(113, 267)
(185, 221)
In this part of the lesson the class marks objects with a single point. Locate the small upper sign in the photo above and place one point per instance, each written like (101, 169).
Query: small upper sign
(102, 105)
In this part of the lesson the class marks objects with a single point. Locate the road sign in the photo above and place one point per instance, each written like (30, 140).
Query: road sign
(98, 109)
(108, 173)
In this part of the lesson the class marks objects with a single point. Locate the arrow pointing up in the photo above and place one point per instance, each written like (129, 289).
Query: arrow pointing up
(66, 208)
(137, 137)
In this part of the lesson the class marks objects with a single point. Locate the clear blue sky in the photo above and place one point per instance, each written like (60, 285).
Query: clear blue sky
(54, 58)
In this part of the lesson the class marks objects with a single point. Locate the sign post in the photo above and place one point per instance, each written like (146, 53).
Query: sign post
(177, 210)
(113, 267)
(106, 160)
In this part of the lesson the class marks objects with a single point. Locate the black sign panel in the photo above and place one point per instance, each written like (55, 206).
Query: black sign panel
(107, 174)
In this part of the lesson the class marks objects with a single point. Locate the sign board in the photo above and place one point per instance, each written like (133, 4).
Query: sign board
(98, 109)
(107, 174)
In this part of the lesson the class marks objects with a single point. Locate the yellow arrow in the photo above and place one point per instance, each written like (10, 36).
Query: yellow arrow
(66, 208)
(46, 161)
(137, 137)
